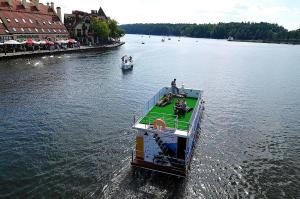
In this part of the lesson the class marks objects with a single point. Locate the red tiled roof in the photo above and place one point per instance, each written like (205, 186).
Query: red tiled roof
(18, 20)
(17, 6)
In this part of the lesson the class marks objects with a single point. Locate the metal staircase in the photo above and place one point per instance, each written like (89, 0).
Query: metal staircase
(166, 151)
(169, 154)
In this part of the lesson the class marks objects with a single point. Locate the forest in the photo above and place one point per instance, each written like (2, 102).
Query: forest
(244, 31)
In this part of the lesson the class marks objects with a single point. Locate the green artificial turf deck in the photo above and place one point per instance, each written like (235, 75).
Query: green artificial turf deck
(167, 114)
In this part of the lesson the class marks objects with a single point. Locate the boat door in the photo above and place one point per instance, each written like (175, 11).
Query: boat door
(181, 145)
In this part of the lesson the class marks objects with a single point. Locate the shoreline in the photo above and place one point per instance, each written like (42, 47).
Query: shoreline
(293, 42)
(66, 51)
(268, 42)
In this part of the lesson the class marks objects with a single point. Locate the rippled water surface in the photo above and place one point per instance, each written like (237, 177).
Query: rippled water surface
(65, 121)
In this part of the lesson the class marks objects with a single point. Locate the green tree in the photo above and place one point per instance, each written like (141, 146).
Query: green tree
(115, 30)
(100, 28)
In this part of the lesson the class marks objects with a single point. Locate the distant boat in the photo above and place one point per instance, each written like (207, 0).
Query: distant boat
(127, 63)
(162, 40)
(169, 38)
(143, 42)
(230, 38)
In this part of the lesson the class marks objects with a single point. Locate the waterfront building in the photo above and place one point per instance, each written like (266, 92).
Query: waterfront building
(78, 25)
(21, 19)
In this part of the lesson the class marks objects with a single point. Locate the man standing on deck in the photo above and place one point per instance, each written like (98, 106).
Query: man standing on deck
(175, 90)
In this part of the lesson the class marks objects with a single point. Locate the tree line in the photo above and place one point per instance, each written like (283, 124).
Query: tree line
(239, 31)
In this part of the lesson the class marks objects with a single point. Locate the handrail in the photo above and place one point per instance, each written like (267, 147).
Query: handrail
(174, 121)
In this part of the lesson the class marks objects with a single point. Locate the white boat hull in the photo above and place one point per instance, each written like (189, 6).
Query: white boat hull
(128, 66)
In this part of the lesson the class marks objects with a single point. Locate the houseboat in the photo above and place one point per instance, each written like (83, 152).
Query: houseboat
(166, 134)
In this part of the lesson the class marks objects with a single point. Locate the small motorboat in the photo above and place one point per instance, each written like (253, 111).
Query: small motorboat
(162, 40)
(127, 63)
(230, 38)
(143, 42)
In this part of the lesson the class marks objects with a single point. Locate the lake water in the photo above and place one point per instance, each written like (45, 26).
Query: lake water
(65, 121)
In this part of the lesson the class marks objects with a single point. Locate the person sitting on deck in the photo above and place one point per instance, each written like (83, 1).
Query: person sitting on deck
(175, 90)
(181, 108)
(167, 99)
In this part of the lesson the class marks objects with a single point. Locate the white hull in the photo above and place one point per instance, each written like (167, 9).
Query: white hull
(127, 66)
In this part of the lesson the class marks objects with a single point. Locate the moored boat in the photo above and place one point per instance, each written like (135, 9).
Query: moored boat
(165, 134)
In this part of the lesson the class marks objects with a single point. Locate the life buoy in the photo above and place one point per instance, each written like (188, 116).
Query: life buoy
(159, 122)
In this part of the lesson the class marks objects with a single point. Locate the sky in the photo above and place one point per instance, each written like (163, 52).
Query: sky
(282, 12)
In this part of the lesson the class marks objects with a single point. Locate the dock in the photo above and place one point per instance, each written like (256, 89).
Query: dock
(37, 53)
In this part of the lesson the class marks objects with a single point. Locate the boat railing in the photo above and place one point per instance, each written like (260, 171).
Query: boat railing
(193, 124)
(153, 101)
(170, 120)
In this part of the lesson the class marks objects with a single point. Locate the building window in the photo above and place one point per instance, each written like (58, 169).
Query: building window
(44, 23)
(1, 21)
(22, 29)
(24, 20)
(30, 21)
(49, 30)
(14, 29)
(16, 20)
(43, 30)
(54, 30)
(6, 31)
(65, 31)
(36, 30)
(49, 22)
(29, 30)
(60, 23)
(59, 30)
(7, 19)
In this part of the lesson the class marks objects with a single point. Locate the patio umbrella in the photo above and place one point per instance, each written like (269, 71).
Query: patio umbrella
(62, 42)
(12, 42)
(72, 41)
(30, 42)
(42, 42)
(49, 42)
